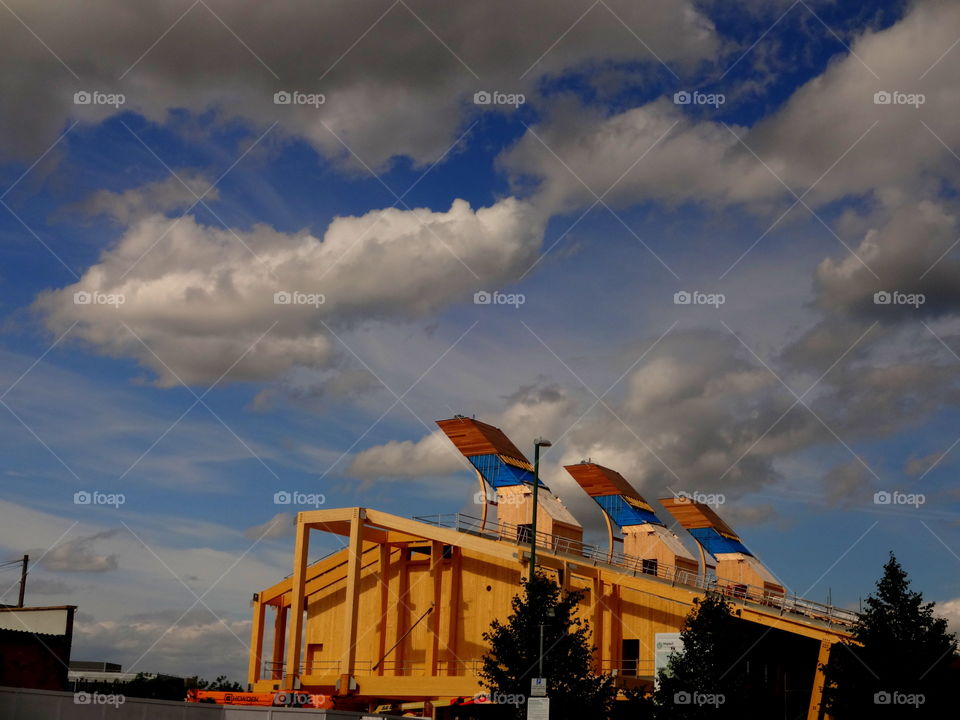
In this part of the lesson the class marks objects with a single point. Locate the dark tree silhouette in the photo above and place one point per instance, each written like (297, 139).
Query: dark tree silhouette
(709, 678)
(899, 661)
(576, 691)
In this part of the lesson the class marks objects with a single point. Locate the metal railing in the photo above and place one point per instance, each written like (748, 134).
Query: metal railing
(592, 554)
(393, 668)
(628, 668)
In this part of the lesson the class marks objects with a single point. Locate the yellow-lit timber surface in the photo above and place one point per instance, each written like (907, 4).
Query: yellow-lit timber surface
(398, 613)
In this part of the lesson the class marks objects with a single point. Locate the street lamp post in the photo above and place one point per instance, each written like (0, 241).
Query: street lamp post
(537, 444)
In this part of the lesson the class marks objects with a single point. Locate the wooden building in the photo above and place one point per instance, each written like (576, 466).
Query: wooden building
(397, 614)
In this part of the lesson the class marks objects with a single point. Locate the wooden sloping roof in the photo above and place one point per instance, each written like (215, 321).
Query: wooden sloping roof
(597, 481)
(472, 437)
(692, 515)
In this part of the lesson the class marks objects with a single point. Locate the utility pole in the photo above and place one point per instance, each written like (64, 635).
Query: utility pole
(23, 579)
(537, 444)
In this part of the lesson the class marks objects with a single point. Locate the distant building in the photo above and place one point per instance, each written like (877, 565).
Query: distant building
(35, 645)
(97, 671)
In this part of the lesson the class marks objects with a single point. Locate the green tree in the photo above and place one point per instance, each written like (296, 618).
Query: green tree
(709, 678)
(898, 662)
(576, 692)
(220, 684)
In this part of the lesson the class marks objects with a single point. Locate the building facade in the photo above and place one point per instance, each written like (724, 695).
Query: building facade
(397, 614)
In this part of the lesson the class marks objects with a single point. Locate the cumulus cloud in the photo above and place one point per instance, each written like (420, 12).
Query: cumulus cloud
(701, 414)
(911, 253)
(196, 299)
(166, 640)
(847, 484)
(150, 199)
(398, 79)
(535, 409)
(832, 116)
(951, 611)
(282, 525)
(431, 455)
(79, 555)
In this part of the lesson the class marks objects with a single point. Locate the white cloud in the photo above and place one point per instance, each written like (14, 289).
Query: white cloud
(400, 84)
(199, 297)
(281, 525)
(153, 198)
(200, 643)
(78, 555)
(431, 455)
(951, 611)
(702, 161)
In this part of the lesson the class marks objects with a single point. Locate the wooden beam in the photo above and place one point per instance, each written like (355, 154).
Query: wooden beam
(297, 602)
(352, 598)
(255, 663)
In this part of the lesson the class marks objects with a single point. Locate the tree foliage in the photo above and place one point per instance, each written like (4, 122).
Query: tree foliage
(898, 662)
(221, 684)
(575, 690)
(709, 678)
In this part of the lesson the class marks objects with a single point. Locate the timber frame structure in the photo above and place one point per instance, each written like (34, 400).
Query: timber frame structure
(397, 614)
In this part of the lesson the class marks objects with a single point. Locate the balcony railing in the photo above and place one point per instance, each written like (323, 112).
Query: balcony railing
(585, 553)
(392, 668)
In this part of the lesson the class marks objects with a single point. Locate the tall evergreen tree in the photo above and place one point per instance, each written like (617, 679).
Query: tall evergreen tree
(709, 678)
(898, 662)
(576, 692)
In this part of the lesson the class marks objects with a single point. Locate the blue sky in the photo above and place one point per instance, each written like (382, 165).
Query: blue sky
(796, 197)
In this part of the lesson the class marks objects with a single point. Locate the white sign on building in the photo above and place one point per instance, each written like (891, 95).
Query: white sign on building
(664, 645)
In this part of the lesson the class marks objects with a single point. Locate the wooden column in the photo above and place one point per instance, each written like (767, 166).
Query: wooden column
(256, 641)
(402, 614)
(384, 585)
(453, 623)
(297, 604)
(279, 636)
(433, 622)
(598, 621)
(814, 711)
(352, 598)
(615, 626)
